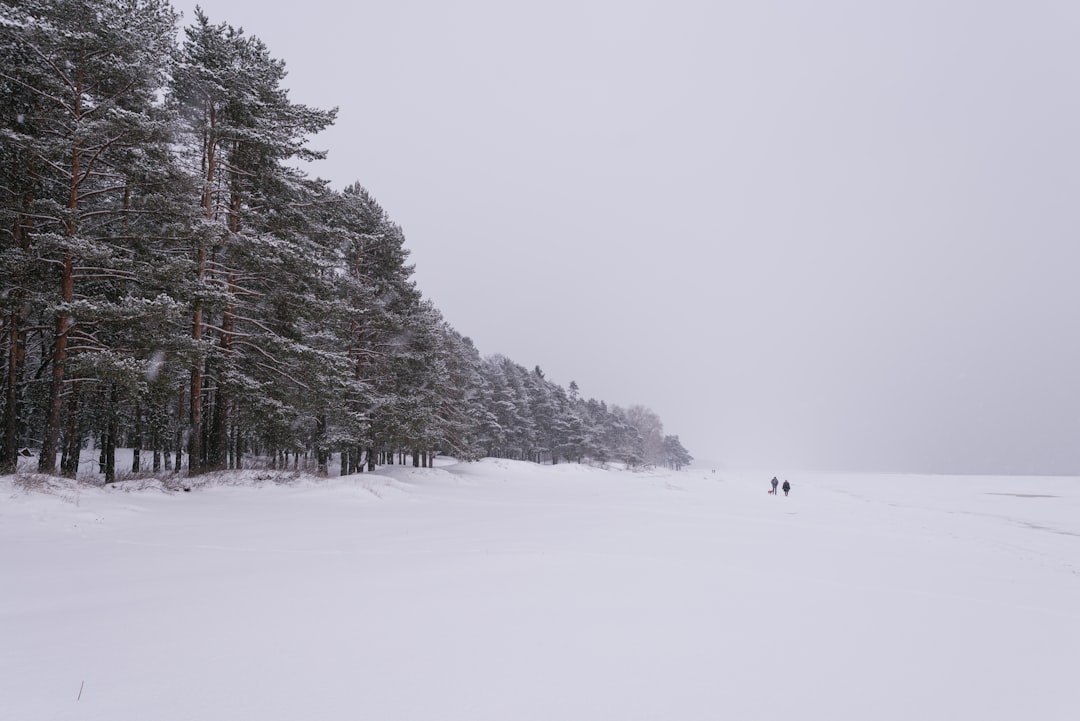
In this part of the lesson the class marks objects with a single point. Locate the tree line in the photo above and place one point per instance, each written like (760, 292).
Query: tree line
(172, 283)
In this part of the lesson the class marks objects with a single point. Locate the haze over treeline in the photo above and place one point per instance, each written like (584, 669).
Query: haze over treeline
(173, 283)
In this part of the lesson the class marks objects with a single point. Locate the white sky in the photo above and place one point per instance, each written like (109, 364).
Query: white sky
(829, 234)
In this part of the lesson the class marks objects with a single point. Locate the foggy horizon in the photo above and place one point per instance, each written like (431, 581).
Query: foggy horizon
(824, 237)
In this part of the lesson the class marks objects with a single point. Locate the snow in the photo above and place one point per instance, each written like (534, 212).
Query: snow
(505, 590)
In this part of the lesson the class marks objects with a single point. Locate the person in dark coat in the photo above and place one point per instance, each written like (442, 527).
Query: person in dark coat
(786, 487)
(775, 483)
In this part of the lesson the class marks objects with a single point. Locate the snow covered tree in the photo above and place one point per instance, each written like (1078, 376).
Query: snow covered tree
(461, 413)
(24, 280)
(675, 456)
(623, 438)
(381, 304)
(650, 431)
(170, 281)
(90, 76)
(244, 131)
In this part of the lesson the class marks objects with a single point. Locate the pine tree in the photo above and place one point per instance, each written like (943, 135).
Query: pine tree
(170, 281)
(244, 131)
(92, 73)
(675, 456)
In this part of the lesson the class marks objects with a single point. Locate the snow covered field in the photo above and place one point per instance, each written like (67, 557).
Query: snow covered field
(505, 591)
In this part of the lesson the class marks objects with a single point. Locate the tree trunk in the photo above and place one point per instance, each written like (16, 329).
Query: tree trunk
(195, 440)
(136, 449)
(108, 454)
(72, 436)
(217, 434)
(47, 459)
(322, 455)
(195, 424)
(217, 450)
(179, 441)
(9, 455)
(238, 444)
(108, 448)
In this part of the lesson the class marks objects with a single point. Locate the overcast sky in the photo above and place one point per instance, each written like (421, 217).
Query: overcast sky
(829, 234)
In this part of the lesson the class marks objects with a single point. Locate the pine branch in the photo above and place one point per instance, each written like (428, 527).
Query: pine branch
(255, 323)
(259, 350)
(38, 91)
(284, 375)
(231, 333)
(93, 159)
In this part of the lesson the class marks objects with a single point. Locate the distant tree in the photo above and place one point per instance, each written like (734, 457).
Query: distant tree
(624, 438)
(675, 456)
(650, 430)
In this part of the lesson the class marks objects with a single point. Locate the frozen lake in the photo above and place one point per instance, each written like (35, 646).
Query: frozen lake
(507, 591)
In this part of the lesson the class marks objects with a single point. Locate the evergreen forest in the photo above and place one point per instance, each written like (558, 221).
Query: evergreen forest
(172, 283)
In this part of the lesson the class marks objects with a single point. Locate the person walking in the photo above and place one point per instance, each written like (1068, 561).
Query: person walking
(775, 483)
(786, 487)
